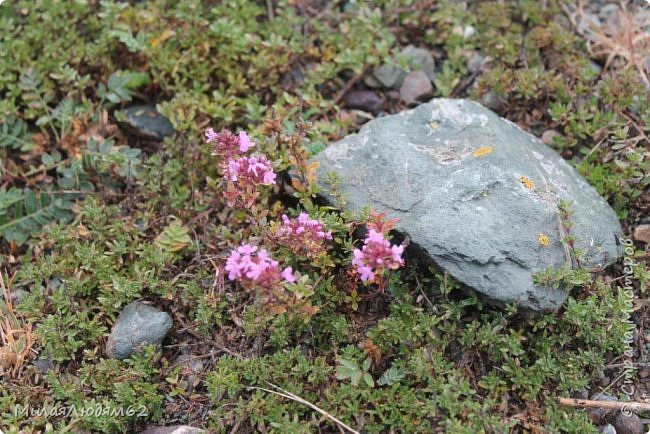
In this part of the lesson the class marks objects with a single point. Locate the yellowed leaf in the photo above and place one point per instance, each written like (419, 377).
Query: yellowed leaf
(82, 231)
(295, 183)
(162, 37)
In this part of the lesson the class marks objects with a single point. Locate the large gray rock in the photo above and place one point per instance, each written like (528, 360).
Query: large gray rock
(138, 324)
(476, 195)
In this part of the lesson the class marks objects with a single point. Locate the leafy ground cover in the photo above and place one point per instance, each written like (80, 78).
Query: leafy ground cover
(92, 218)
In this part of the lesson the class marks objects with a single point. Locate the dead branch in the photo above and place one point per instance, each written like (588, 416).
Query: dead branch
(609, 405)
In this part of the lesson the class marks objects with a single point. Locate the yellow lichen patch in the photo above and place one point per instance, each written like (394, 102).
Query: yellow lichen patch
(527, 182)
(434, 125)
(543, 239)
(484, 150)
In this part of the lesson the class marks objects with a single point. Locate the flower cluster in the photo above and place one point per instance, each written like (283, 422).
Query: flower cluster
(253, 266)
(242, 173)
(226, 144)
(376, 256)
(304, 234)
(250, 170)
(278, 289)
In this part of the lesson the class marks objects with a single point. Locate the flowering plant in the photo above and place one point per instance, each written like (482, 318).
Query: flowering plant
(303, 234)
(242, 173)
(278, 288)
(377, 255)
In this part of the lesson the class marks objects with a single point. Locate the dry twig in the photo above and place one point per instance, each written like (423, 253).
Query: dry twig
(609, 405)
(300, 400)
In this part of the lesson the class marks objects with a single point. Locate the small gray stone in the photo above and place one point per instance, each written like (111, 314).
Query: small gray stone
(176, 429)
(628, 424)
(607, 429)
(476, 195)
(18, 296)
(297, 75)
(191, 366)
(54, 283)
(389, 75)
(475, 62)
(581, 394)
(367, 100)
(43, 365)
(548, 136)
(492, 101)
(137, 325)
(294, 77)
(588, 23)
(642, 233)
(415, 87)
(420, 59)
(145, 121)
(598, 415)
(370, 81)
(609, 14)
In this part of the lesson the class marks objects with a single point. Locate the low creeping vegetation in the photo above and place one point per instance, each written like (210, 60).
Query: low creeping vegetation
(267, 287)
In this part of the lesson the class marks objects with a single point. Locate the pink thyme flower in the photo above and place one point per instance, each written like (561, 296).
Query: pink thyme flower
(250, 170)
(244, 142)
(376, 256)
(226, 144)
(258, 269)
(288, 275)
(210, 135)
(303, 233)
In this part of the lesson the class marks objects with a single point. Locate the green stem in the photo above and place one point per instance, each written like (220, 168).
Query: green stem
(45, 168)
(18, 221)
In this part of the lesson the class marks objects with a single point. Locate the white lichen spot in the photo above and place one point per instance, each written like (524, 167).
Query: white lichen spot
(548, 168)
(482, 119)
(538, 155)
(344, 150)
(559, 185)
(449, 154)
(452, 111)
(432, 127)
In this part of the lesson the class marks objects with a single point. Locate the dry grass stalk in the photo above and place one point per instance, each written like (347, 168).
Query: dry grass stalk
(626, 39)
(16, 336)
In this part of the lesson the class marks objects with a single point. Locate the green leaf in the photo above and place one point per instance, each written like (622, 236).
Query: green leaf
(14, 134)
(135, 79)
(106, 146)
(174, 237)
(368, 379)
(24, 213)
(134, 44)
(31, 203)
(391, 376)
(348, 369)
(47, 159)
